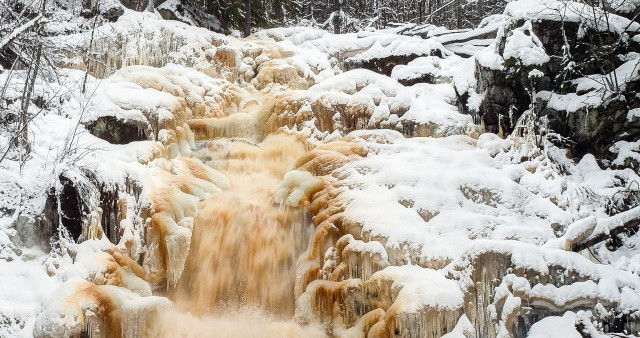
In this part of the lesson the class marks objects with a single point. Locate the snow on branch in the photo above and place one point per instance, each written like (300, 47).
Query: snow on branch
(588, 232)
(609, 228)
(25, 27)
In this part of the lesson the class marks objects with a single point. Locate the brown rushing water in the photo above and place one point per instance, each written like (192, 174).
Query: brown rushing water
(239, 275)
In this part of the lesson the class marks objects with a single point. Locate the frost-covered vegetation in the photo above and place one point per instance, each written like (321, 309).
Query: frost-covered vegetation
(350, 169)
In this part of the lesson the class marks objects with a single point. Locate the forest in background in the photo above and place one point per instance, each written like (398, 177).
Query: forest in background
(338, 16)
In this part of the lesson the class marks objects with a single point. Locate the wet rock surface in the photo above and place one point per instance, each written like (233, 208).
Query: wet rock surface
(116, 131)
(594, 130)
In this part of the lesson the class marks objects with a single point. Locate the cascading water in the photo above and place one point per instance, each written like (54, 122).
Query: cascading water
(239, 276)
(244, 246)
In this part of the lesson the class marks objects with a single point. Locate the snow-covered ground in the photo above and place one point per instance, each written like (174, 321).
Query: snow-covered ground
(424, 225)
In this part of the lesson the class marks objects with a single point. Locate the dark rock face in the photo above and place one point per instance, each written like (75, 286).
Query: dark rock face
(507, 93)
(70, 204)
(114, 207)
(72, 207)
(109, 10)
(594, 130)
(66, 206)
(111, 213)
(186, 12)
(170, 15)
(112, 13)
(424, 78)
(552, 38)
(136, 5)
(116, 131)
(384, 65)
(504, 95)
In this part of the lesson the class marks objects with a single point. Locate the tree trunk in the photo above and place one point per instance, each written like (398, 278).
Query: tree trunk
(336, 16)
(86, 56)
(458, 9)
(151, 6)
(30, 82)
(247, 18)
